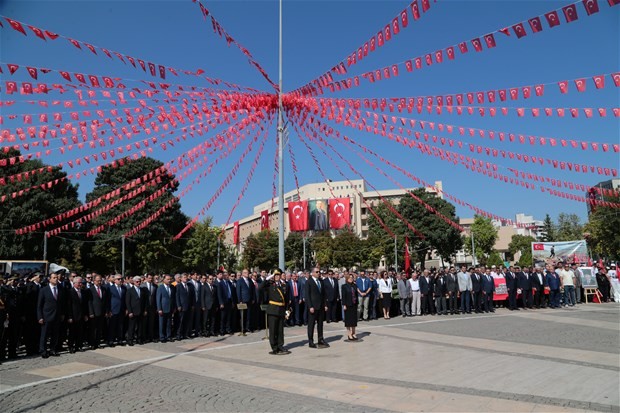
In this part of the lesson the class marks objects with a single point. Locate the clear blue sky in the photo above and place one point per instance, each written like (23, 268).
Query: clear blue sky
(317, 35)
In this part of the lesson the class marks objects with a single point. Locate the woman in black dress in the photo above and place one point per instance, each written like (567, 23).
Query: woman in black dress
(349, 305)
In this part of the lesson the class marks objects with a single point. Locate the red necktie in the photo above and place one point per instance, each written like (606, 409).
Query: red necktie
(294, 289)
(98, 292)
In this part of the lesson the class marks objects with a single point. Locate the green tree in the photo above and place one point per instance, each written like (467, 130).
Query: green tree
(142, 253)
(522, 244)
(36, 205)
(485, 235)
(321, 245)
(261, 250)
(569, 227)
(548, 229)
(347, 248)
(201, 251)
(601, 231)
(438, 234)
(294, 250)
(379, 242)
(495, 259)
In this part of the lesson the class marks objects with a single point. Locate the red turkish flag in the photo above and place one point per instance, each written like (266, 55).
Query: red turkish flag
(526, 91)
(395, 26)
(298, 216)
(591, 6)
(463, 47)
(404, 18)
(38, 32)
(490, 40)
(380, 38)
(66, 75)
(415, 10)
(236, 233)
(570, 13)
(32, 72)
(563, 86)
(535, 24)
(75, 43)
(407, 257)
(613, 2)
(581, 84)
(12, 68)
(264, 220)
(599, 81)
(450, 52)
(616, 78)
(540, 90)
(16, 26)
(439, 56)
(477, 45)
(426, 5)
(539, 247)
(339, 213)
(519, 30)
(409, 65)
(11, 87)
(552, 18)
(80, 77)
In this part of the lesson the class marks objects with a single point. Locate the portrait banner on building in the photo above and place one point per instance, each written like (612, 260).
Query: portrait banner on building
(298, 215)
(264, 220)
(318, 215)
(339, 213)
(553, 252)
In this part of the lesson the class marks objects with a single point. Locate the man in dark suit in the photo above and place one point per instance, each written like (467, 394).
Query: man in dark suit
(149, 324)
(488, 288)
(196, 290)
(553, 281)
(246, 294)
(225, 299)
(209, 305)
(452, 286)
(50, 312)
(77, 314)
(317, 306)
(318, 217)
(511, 286)
(97, 311)
(116, 311)
(524, 281)
(294, 300)
(440, 290)
(476, 289)
(332, 296)
(185, 304)
(164, 299)
(426, 293)
(135, 302)
(539, 282)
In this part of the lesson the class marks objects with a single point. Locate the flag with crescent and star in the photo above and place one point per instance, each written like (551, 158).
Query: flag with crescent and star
(339, 213)
(298, 215)
(264, 220)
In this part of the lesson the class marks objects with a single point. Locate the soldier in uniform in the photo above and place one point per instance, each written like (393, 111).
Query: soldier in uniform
(13, 305)
(276, 293)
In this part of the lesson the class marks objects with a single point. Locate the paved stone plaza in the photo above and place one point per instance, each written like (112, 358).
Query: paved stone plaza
(536, 360)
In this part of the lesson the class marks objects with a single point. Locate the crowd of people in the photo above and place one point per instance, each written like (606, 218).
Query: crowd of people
(68, 312)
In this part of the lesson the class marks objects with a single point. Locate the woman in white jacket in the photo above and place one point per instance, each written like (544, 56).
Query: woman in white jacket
(385, 288)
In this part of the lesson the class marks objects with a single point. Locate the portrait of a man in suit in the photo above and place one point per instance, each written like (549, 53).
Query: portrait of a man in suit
(318, 216)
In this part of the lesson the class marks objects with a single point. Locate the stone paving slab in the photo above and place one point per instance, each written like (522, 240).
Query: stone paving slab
(492, 362)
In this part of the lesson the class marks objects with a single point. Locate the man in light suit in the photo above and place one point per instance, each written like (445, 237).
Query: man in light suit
(465, 286)
(164, 299)
(404, 292)
(50, 313)
(317, 306)
(116, 311)
(246, 294)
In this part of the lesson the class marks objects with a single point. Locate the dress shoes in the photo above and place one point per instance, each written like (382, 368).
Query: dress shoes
(273, 352)
(55, 354)
(45, 355)
(311, 345)
(323, 344)
(283, 351)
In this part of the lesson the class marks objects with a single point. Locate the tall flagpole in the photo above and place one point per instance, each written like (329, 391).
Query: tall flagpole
(280, 159)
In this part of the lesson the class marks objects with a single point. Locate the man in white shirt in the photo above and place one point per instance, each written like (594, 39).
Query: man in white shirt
(416, 303)
(566, 278)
